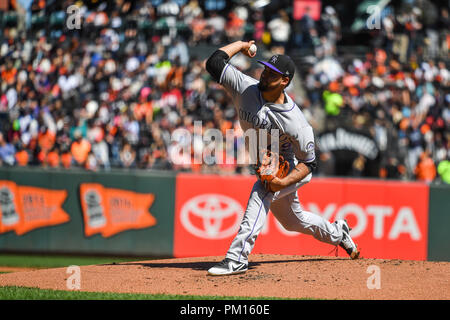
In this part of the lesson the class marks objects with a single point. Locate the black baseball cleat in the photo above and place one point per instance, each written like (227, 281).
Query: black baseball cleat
(347, 243)
(228, 267)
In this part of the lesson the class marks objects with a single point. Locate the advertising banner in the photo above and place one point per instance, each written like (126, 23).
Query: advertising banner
(313, 7)
(208, 210)
(389, 219)
(109, 211)
(116, 212)
(348, 144)
(26, 208)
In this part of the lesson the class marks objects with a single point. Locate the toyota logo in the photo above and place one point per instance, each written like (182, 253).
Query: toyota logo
(205, 215)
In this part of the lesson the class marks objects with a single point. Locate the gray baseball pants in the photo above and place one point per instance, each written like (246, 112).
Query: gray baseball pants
(286, 208)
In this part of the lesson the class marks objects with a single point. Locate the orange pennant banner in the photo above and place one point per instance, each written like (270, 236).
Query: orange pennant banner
(9, 207)
(27, 208)
(110, 211)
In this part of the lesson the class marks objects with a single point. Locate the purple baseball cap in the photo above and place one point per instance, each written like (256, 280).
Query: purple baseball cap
(282, 64)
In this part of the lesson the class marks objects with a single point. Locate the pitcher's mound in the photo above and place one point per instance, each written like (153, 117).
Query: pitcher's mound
(268, 276)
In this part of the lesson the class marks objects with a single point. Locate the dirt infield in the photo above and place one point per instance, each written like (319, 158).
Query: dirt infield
(268, 276)
(16, 269)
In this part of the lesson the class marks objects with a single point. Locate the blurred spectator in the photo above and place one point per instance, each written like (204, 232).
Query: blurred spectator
(215, 5)
(66, 159)
(333, 102)
(331, 25)
(326, 164)
(198, 27)
(80, 149)
(46, 139)
(305, 31)
(425, 169)
(127, 156)
(358, 166)
(100, 150)
(392, 170)
(259, 27)
(444, 171)
(159, 161)
(280, 31)
(216, 24)
(7, 152)
(179, 52)
(22, 157)
(168, 8)
(91, 162)
(235, 26)
(191, 11)
(52, 159)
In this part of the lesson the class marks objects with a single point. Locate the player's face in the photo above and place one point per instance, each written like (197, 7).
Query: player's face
(271, 80)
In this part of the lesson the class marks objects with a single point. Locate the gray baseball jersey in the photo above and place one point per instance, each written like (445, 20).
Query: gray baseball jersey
(296, 144)
(296, 138)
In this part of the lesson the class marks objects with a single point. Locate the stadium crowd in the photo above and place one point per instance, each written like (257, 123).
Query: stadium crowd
(110, 91)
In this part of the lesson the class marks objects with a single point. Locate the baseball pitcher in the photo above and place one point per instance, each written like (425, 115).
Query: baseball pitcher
(260, 105)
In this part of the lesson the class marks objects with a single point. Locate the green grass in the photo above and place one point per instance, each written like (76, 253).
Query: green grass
(22, 293)
(54, 261)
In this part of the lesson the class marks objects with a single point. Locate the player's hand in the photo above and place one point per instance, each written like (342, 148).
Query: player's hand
(246, 47)
(277, 184)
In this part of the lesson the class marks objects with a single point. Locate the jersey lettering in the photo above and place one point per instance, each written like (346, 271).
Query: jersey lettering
(255, 121)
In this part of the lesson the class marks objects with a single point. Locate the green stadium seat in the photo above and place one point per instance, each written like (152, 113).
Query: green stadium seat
(37, 21)
(57, 19)
(10, 19)
(181, 26)
(161, 24)
(145, 25)
(249, 29)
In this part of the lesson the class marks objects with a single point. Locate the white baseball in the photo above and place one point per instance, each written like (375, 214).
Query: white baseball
(252, 49)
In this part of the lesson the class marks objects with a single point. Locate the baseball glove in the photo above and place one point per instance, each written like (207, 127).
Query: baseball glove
(272, 165)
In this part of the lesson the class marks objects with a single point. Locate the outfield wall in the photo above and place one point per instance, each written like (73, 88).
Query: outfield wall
(180, 215)
(389, 219)
(146, 229)
(439, 223)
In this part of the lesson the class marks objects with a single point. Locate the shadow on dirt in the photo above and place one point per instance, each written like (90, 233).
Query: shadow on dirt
(203, 265)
